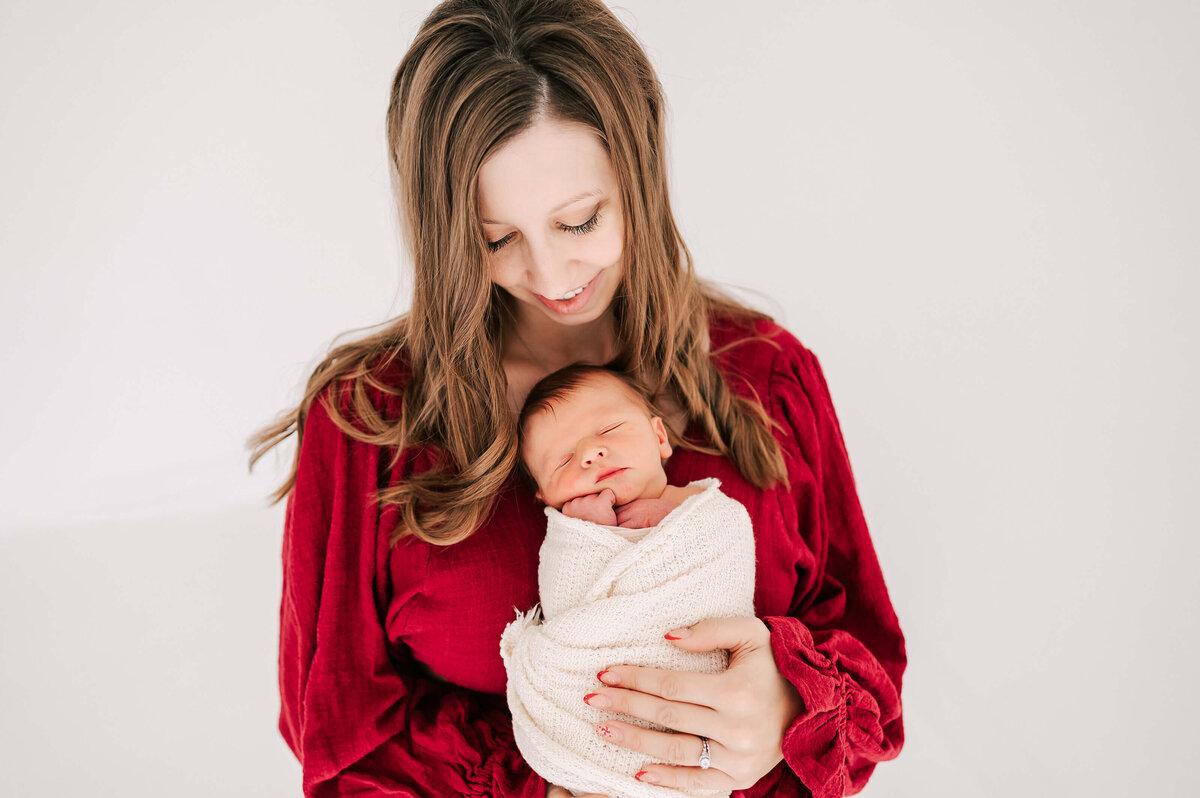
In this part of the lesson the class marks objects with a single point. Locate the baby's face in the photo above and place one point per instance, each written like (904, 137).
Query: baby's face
(598, 436)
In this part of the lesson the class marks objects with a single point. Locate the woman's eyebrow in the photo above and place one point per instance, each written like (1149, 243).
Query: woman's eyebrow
(595, 192)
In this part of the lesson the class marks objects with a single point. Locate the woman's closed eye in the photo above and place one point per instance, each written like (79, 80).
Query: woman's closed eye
(578, 230)
(610, 428)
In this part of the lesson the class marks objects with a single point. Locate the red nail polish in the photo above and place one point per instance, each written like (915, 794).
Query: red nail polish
(608, 677)
(587, 699)
(643, 775)
(604, 731)
(668, 636)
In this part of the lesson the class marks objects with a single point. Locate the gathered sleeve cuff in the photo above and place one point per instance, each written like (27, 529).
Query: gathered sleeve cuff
(840, 644)
(839, 736)
(355, 709)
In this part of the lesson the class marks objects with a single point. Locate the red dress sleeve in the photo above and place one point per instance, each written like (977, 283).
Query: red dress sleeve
(359, 716)
(840, 643)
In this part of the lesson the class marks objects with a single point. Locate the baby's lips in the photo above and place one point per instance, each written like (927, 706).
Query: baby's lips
(607, 474)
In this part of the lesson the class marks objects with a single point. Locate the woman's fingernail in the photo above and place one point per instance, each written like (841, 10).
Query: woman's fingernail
(646, 776)
(595, 700)
(608, 731)
(677, 634)
(608, 677)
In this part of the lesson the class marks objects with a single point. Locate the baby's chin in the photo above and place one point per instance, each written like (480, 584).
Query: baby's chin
(624, 491)
(619, 493)
(628, 493)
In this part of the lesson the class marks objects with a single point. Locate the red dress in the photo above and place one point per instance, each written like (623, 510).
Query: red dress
(364, 628)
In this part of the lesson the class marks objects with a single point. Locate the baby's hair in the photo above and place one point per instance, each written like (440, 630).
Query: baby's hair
(558, 385)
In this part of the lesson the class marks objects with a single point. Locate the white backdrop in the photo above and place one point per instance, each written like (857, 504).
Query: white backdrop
(981, 216)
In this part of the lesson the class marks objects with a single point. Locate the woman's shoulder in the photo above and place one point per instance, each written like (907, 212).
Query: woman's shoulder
(755, 347)
(368, 388)
(763, 360)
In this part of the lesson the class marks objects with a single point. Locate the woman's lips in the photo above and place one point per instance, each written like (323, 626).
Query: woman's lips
(575, 303)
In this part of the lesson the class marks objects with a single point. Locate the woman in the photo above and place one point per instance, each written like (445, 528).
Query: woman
(527, 145)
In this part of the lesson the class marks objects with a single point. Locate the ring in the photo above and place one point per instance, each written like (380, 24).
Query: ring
(705, 759)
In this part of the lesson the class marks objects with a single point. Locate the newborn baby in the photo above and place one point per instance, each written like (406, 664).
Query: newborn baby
(595, 450)
(627, 557)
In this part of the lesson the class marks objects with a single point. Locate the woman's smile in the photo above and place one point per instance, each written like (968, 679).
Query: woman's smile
(573, 301)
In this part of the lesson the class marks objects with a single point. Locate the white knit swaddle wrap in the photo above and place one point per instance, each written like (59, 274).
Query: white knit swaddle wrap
(607, 600)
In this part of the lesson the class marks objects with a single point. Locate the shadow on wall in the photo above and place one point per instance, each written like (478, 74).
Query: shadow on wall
(139, 659)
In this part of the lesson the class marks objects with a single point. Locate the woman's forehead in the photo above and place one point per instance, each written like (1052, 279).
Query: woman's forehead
(541, 171)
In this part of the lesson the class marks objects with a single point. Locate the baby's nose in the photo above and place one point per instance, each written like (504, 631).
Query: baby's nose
(593, 454)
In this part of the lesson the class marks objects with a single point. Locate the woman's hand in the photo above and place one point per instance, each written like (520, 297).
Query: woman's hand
(554, 791)
(743, 712)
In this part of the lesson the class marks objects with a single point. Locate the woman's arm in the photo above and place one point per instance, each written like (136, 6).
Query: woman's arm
(840, 644)
(358, 715)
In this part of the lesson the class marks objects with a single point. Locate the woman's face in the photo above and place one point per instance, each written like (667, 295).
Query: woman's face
(551, 212)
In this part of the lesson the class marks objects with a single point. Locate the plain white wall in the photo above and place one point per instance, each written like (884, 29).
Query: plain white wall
(981, 216)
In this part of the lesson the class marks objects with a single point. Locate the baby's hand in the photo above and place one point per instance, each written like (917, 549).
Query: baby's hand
(641, 513)
(595, 507)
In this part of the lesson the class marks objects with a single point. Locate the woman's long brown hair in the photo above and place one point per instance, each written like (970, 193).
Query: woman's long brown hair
(479, 73)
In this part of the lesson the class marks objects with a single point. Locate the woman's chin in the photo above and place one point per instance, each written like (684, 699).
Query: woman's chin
(573, 320)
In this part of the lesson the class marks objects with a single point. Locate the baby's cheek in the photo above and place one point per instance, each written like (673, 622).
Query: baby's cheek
(572, 488)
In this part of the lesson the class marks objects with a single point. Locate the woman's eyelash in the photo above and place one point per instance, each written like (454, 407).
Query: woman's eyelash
(586, 227)
(578, 230)
(609, 429)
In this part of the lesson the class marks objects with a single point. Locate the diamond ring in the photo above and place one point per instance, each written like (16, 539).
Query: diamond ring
(705, 759)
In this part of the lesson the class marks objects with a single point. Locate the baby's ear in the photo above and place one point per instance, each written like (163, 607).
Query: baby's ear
(664, 441)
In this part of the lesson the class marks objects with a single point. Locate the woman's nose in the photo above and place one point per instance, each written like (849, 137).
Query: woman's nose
(545, 272)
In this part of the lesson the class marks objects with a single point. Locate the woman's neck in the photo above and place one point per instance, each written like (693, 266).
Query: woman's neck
(551, 346)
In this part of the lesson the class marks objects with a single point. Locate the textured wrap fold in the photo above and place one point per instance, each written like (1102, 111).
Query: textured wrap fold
(606, 600)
